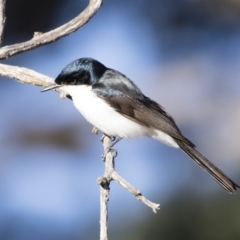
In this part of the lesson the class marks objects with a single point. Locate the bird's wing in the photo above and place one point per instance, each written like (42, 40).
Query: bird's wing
(139, 108)
(131, 103)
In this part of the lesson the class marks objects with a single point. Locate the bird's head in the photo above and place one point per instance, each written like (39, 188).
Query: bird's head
(83, 71)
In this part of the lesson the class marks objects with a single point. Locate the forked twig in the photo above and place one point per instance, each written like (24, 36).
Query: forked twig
(53, 35)
(2, 19)
(104, 181)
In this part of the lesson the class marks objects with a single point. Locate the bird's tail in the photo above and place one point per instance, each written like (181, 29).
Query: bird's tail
(225, 182)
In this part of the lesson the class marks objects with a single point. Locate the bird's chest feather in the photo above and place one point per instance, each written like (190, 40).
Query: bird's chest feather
(84, 99)
(100, 114)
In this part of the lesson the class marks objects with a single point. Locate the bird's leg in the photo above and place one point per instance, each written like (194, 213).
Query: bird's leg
(114, 141)
(95, 130)
(112, 138)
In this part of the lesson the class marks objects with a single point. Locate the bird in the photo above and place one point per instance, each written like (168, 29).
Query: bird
(114, 104)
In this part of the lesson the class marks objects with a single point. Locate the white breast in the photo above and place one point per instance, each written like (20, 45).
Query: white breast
(104, 117)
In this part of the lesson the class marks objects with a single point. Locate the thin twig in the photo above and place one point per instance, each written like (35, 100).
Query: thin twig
(104, 198)
(104, 183)
(2, 19)
(51, 36)
(28, 76)
(25, 75)
(109, 175)
(121, 181)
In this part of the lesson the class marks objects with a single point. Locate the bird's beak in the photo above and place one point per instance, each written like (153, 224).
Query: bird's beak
(51, 87)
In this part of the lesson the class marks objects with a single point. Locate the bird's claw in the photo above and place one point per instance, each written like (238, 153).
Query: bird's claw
(105, 135)
(95, 130)
(112, 138)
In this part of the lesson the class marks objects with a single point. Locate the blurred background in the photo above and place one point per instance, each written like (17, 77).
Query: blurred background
(185, 54)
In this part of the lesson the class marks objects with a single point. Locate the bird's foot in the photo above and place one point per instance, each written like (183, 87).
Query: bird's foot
(112, 138)
(114, 141)
(95, 130)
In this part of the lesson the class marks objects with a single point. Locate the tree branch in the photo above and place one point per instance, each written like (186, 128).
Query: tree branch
(51, 36)
(122, 182)
(104, 181)
(2, 19)
(28, 76)
(25, 75)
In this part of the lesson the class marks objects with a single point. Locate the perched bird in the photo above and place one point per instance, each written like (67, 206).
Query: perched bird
(115, 105)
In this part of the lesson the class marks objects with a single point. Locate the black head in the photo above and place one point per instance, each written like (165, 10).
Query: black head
(83, 71)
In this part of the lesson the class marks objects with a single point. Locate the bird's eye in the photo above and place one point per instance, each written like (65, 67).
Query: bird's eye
(85, 79)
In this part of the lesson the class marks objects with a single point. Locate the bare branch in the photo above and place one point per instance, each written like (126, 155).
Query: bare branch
(104, 198)
(109, 175)
(2, 19)
(25, 75)
(51, 36)
(154, 206)
(104, 188)
(28, 76)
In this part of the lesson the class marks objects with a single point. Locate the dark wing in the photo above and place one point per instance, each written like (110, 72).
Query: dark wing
(132, 104)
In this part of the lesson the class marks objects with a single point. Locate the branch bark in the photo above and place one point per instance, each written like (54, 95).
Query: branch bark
(51, 36)
(122, 182)
(25, 75)
(28, 76)
(104, 182)
(2, 19)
